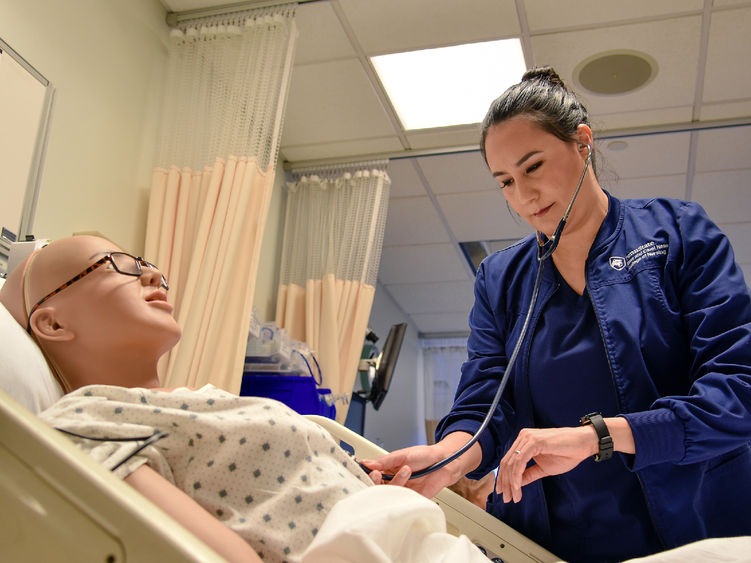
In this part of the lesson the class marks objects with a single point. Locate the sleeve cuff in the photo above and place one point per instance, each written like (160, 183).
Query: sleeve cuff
(486, 442)
(659, 437)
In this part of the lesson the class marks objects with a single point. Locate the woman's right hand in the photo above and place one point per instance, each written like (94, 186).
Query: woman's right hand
(415, 458)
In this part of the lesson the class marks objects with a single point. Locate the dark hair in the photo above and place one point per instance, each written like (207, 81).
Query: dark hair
(542, 97)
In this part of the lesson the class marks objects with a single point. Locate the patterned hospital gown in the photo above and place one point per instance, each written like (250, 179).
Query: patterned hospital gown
(265, 471)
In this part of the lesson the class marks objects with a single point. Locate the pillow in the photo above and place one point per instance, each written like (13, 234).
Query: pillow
(24, 373)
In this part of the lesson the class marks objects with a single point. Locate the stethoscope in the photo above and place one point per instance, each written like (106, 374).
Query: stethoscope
(544, 252)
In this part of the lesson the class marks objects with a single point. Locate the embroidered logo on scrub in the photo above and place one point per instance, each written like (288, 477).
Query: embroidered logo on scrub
(648, 250)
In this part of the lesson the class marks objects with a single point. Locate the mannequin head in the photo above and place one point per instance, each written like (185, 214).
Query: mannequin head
(106, 327)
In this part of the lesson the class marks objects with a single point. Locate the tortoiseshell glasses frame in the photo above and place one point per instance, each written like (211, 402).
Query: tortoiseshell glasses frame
(122, 262)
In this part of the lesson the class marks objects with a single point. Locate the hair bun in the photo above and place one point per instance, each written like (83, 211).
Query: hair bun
(544, 74)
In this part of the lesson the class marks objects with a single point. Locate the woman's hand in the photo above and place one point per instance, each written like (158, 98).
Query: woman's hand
(401, 464)
(554, 451)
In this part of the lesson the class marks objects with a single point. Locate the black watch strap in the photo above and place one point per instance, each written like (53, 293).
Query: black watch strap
(605, 442)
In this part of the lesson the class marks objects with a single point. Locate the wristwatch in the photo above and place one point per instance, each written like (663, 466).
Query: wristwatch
(605, 442)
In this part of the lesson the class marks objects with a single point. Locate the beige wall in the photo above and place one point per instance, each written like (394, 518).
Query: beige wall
(267, 282)
(106, 60)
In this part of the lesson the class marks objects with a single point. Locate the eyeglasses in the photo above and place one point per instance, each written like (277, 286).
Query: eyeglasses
(123, 263)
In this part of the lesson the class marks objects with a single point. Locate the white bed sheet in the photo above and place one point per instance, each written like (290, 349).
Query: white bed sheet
(713, 550)
(386, 524)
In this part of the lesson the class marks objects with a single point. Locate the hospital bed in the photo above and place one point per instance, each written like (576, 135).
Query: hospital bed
(498, 540)
(60, 505)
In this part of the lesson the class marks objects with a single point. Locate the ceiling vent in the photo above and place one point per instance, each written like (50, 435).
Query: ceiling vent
(615, 72)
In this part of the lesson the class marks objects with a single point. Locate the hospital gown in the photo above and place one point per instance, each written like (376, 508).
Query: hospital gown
(269, 474)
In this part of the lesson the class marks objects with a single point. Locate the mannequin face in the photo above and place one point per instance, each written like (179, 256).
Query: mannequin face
(105, 310)
(537, 171)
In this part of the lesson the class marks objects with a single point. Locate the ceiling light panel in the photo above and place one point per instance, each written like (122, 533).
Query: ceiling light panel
(449, 85)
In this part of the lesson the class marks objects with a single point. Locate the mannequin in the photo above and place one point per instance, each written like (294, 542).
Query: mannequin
(102, 319)
(121, 322)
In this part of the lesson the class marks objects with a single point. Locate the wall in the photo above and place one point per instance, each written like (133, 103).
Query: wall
(400, 422)
(106, 61)
(267, 281)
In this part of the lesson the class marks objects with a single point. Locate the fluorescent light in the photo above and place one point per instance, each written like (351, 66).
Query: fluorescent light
(449, 85)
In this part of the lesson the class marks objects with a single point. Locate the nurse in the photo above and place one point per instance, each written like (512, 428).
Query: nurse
(624, 428)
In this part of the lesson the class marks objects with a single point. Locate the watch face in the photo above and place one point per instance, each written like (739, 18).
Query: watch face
(587, 418)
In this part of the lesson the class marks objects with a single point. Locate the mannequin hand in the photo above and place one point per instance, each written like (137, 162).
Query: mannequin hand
(553, 450)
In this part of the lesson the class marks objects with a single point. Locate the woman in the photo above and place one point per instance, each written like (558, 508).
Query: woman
(247, 475)
(642, 317)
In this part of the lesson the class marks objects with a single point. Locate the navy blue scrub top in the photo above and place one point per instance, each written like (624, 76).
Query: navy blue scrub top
(597, 511)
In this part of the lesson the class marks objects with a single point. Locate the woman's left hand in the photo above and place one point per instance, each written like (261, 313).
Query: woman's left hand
(553, 450)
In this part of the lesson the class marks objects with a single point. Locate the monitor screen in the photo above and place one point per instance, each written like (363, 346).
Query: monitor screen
(386, 364)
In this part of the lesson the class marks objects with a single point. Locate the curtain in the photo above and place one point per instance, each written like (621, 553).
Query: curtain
(442, 362)
(331, 250)
(224, 99)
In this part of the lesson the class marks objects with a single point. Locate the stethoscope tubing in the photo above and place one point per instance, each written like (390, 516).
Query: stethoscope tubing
(544, 252)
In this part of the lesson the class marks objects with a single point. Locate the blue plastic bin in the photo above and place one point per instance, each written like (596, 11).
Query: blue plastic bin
(298, 392)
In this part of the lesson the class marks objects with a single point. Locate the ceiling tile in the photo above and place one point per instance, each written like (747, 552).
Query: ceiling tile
(437, 323)
(333, 102)
(444, 297)
(724, 149)
(464, 136)
(645, 155)
(481, 216)
(184, 5)
(341, 149)
(321, 36)
(551, 14)
(642, 118)
(413, 220)
(392, 26)
(728, 52)
(422, 264)
(725, 110)
(404, 178)
(457, 173)
(673, 44)
(656, 186)
(725, 195)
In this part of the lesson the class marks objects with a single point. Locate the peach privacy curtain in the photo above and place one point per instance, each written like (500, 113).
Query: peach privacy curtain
(333, 234)
(226, 87)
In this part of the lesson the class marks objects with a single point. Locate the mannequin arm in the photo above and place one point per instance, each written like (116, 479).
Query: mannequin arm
(191, 515)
